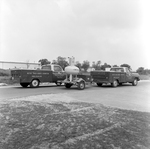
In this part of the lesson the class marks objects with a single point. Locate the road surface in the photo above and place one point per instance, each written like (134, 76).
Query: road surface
(125, 96)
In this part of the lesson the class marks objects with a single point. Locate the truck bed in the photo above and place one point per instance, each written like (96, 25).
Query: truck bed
(107, 76)
(26, 75)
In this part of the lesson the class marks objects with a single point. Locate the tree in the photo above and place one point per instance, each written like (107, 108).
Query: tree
(44, 61)
(147, 71)
(54, 62)
(97, 65)
(62, 62)
(143, 71)
(79, 65)
(115, 66)
(85, 65)
(103, 67)
(140, 70)
(93, 64)
(125, 65)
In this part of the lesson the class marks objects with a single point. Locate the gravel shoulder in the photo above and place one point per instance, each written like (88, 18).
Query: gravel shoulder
(57, 121)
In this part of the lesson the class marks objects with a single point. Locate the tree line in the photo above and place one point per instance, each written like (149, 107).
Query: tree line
(62, 61)
(143, 71)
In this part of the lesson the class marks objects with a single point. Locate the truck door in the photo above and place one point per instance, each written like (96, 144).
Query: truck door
(58, 73)
(128, 75)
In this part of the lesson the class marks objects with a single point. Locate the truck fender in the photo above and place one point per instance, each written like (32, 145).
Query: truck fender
(80, 79)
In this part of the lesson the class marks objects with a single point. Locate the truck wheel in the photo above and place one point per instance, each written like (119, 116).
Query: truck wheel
(24, 84)
(34, 83)
(99, 84)
(81, 85)
(58, 83)
(135, 82)
(115, 83)
(68, 85)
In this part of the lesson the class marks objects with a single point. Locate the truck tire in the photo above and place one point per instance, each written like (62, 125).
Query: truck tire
(99, 84)
(115, 83)
(68, 85)
(34, 83)
(24, 84)
(81, 85)
(135, 82)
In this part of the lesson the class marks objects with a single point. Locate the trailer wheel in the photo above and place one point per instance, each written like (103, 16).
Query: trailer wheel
(115, 83)
(24, 84)
(99, 84)
(34, 83)
(68, 85)
(135, 82)
(81, 85)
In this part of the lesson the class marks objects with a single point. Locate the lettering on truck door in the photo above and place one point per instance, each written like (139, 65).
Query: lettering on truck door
(122, 75)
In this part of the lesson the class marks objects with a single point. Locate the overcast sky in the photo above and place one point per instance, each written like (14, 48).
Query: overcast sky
(113, 31)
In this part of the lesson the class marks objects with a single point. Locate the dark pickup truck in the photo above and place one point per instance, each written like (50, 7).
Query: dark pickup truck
(116, 76)
(47, 73)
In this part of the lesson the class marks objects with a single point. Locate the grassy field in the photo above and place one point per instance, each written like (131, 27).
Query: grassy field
(145, 77)
(74, 125)
(5, 72)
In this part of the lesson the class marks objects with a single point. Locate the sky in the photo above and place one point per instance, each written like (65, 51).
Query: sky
(113, 31)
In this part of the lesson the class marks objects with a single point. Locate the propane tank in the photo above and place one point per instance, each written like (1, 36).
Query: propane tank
(72, 69)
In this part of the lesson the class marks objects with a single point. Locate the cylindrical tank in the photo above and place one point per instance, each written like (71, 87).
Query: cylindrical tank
(72, 70)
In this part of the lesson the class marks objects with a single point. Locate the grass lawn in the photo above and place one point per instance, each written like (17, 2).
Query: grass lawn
(71, 125)
(145, 77)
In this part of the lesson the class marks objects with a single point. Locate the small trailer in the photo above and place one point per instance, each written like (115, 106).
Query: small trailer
(74, 77)
(80, 81)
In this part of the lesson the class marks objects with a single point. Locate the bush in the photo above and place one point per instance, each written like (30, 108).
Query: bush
(5, 72)
(144, 77)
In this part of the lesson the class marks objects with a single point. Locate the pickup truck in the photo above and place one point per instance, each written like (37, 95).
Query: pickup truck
(116, 76)
(47, 73)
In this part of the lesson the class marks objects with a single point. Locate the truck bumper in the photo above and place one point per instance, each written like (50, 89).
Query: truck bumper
(101, 81)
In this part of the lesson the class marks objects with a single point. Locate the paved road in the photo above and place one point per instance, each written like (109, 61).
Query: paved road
(126, 96)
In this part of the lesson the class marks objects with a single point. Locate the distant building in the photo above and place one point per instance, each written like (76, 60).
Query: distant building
(90, 69)
(19, 65)
(107, 69)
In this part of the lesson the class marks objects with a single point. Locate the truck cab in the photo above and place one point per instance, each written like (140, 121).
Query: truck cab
(58, 73)
(129, 74)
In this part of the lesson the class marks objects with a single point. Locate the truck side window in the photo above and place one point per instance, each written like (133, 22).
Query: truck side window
(57, 68)
(46, 67)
